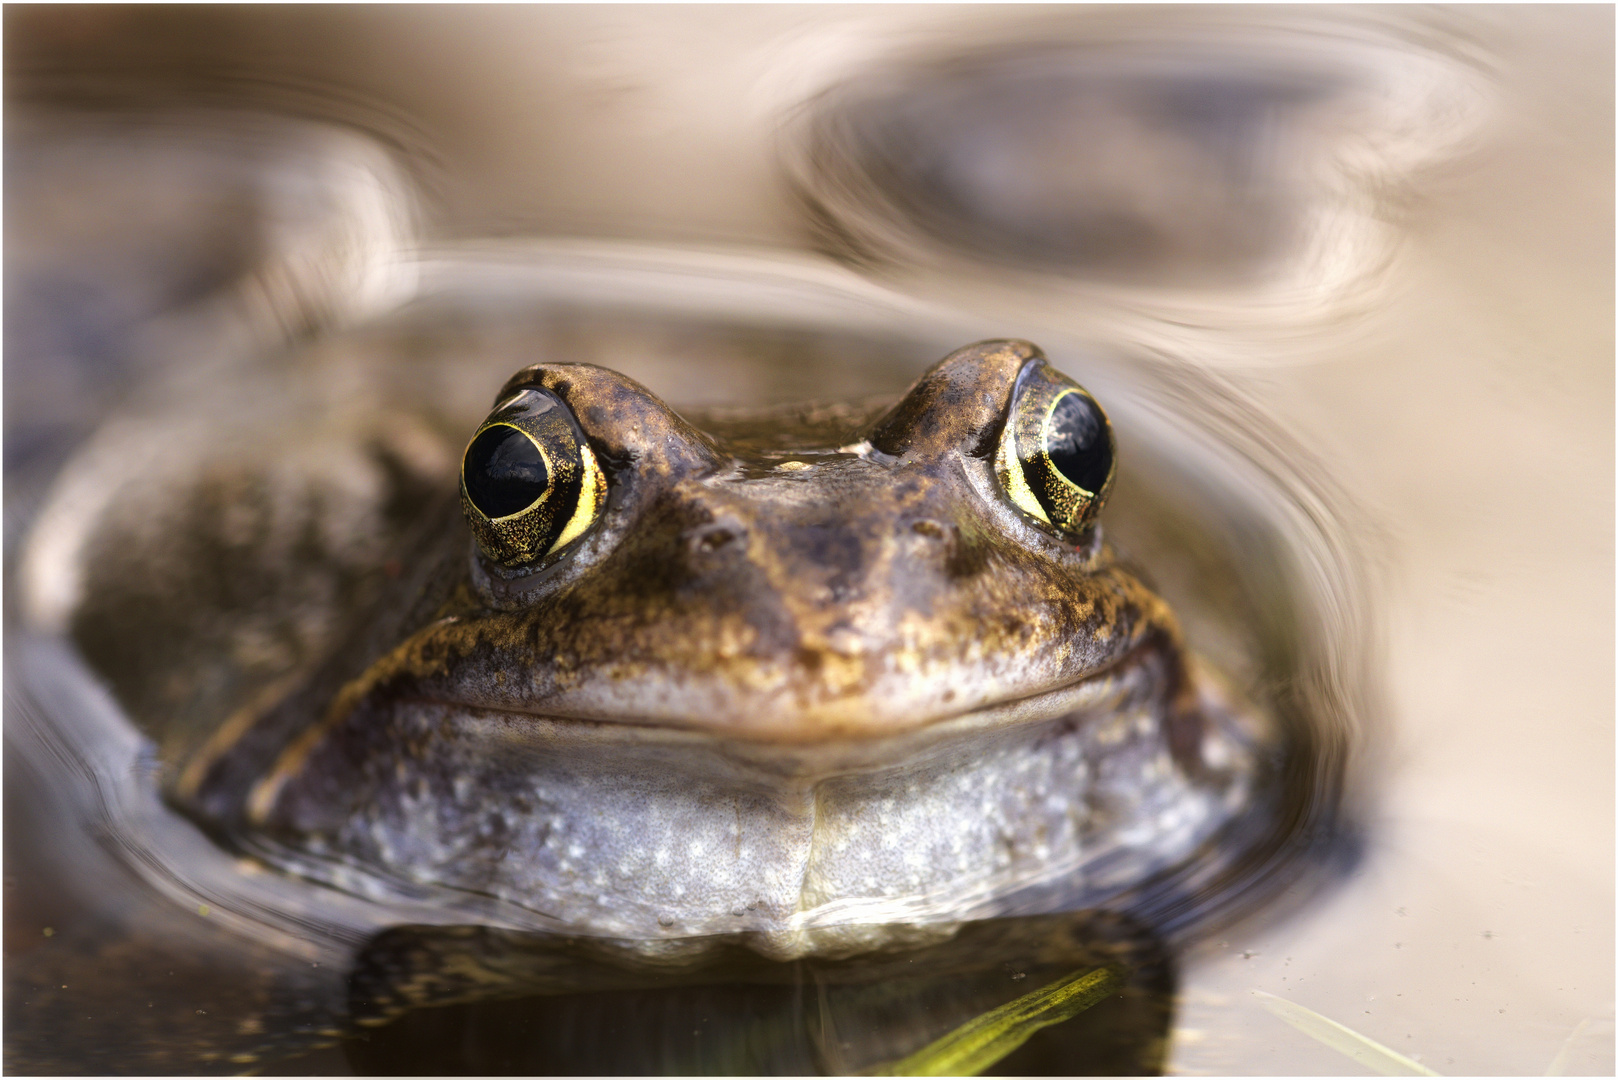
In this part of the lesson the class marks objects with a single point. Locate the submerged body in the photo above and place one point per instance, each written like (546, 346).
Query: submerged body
(821, 679)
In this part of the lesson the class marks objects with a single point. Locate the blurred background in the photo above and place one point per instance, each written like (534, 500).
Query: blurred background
(1386, 231)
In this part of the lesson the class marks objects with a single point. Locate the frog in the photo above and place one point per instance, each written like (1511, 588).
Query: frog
(818, 679)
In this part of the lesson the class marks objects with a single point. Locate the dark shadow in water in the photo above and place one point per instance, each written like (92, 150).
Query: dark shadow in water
(104, 976)
(472, 1000)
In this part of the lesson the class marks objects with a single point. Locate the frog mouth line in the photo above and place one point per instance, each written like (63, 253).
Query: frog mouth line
(829, 750)
(1105, 689)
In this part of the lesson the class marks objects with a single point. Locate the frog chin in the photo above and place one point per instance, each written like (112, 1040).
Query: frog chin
(653, 833)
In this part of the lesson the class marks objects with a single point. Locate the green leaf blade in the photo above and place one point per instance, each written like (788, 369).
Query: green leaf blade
(979, 1043)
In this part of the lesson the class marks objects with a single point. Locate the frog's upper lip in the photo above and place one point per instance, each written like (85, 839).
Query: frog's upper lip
(649, 712)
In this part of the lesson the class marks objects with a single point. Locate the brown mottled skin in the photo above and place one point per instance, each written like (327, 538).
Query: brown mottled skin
(874, 592)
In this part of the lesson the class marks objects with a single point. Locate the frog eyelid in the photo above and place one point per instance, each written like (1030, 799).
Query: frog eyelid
(627, 426)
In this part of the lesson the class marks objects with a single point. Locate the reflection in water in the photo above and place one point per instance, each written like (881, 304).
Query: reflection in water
(134, 238)
(1086, 165)
(742, 1014)
(1249, 175)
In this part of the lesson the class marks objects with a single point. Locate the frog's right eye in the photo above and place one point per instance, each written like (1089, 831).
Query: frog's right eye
(530, 484)
(1056, 459)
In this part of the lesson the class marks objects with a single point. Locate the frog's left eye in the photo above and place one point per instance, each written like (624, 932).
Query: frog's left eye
(529, 482)
(1056, 458)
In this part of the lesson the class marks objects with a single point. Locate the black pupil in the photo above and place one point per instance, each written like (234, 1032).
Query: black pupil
(1077, 442)
(504, 472)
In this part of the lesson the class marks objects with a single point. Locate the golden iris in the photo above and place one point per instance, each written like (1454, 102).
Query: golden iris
(529, 483)
(1057, 458)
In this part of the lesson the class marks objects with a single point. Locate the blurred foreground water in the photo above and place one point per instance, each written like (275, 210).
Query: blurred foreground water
(1341, 278)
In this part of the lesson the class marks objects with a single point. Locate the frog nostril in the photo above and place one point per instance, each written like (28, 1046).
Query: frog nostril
(930, 529)
(714, 539)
